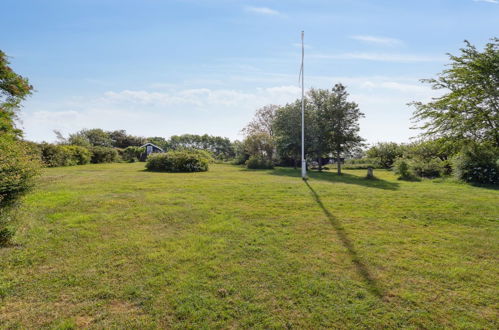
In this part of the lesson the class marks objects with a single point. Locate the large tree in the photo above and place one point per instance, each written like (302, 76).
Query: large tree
(287, 131)
(338, 122)
(263, 120)
(469, 109)
(13, 90)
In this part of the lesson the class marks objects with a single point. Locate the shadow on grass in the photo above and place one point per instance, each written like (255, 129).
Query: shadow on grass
(361, 268)
(344, 178)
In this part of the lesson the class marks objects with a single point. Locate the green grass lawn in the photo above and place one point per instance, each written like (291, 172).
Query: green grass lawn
(115, 246)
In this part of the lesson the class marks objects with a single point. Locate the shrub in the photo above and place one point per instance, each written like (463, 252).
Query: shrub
(19, 166)
(178, 161)
(53, 155)
(402, 168)
(255, 162)
(132, 154)
(477, 164)
(76, 155)
(103, 155)
(427, 168)
(386, 153)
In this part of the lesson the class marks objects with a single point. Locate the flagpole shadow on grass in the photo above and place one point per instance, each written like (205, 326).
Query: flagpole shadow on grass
(361, 268)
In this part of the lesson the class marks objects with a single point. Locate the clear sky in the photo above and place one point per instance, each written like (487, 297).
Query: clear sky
(164, 67)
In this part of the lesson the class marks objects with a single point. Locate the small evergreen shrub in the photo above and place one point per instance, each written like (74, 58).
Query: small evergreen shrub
(132, 154)
(178, 161)
(477, 164)
(255, 162)
(104, 155)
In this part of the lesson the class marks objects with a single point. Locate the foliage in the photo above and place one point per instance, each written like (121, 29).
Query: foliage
(287, 130)
(132, 154)
(477, 164)
(54, 155)
(337, 122)
(219, 146)
(386, 153)
(260, 145)
(103, 155)
(262, 121)
(427, 167)
(120, 139)
(240, 154)
(402, 168)
(19, 166)
(259, 162)
(95, 137)
(177, 161)
(13, 90)
(469, 110)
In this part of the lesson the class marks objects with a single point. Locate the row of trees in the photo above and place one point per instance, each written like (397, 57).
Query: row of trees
(220, 147)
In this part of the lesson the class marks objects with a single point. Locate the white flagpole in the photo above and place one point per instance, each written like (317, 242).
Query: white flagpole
(303, 161)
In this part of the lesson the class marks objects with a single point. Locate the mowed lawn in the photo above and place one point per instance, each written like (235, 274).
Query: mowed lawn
(112, 245)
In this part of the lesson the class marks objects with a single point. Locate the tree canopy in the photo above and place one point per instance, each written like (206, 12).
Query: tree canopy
(469, 109)
(13, 89)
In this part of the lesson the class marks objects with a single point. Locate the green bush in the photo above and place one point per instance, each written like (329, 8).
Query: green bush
(19, 166)
(76, 155)
(103, 155)
(386, 153)
(178, 161)
(132, 154)
(402, 168)
(53, 155)
(408, 169)
(255, 162)
(427, 168)
(477, 164)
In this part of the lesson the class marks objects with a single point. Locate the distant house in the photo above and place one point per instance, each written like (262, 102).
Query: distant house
(151, 148)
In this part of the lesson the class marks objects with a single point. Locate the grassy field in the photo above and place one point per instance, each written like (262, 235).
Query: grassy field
(114, 246)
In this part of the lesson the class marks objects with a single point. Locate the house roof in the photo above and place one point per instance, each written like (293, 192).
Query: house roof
(153, 145)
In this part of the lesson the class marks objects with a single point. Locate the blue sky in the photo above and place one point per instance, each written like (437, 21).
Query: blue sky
(164, 67)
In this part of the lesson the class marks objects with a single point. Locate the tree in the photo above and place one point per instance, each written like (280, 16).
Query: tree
(386, 153)
(13, 90)
(260, 145)
(287, 131)
(120, 139)
(338, 122)
(469, 110)
(95, 137)
(263, 120)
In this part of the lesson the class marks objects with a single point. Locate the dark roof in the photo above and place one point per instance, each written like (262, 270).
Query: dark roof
(153, 145)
